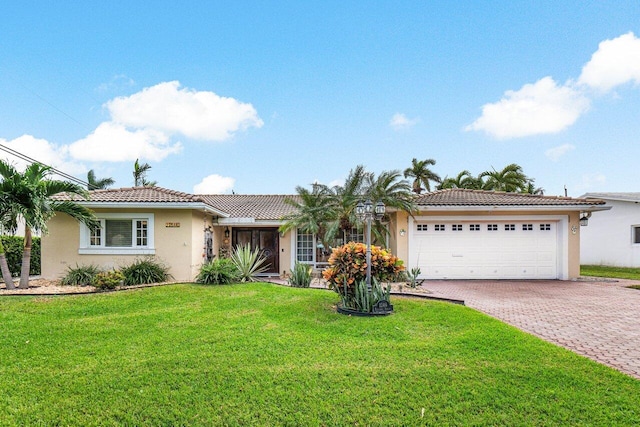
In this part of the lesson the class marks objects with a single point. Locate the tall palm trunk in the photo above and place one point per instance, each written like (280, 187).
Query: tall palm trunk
(4, 266)
(26, 259)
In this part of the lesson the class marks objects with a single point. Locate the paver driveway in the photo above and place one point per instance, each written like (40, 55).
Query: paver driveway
(599, 320)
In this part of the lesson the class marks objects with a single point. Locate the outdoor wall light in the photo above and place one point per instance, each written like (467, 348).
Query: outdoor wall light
(226, 233)
(584, 218)
(403, 232)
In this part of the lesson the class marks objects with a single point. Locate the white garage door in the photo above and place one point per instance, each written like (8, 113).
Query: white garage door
(485, 249)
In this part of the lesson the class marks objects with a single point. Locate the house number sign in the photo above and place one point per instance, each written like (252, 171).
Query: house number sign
(172, 224)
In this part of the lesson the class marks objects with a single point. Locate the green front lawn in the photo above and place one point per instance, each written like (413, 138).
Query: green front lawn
(259, 354)
(612, 272)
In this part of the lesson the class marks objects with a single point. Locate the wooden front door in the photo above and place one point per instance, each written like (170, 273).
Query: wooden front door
(265, 239)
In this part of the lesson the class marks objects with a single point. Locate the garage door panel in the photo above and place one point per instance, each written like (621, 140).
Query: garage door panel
(511, 251)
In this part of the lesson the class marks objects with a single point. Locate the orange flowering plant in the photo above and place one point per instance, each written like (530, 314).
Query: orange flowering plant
(348, 265)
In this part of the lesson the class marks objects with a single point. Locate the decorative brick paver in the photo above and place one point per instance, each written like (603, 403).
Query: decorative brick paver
(599, 320)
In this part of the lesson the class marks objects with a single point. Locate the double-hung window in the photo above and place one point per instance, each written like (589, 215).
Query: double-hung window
(119, 233)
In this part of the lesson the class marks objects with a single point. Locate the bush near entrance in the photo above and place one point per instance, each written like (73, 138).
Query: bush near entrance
(347, 272)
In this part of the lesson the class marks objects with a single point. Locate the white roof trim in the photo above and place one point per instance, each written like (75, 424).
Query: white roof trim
(251, 222)
(620, 197)
(584, 208)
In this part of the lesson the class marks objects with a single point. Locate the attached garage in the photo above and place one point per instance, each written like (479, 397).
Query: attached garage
(475, 248)
(468, 234)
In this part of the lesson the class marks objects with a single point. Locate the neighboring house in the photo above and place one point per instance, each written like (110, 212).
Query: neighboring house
(19, 231)
(614, 239)
(456, 234)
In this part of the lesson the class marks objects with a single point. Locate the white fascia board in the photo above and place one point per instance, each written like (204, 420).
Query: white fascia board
(154, 205)
(250, 222)
(584, 208)
(615, 198)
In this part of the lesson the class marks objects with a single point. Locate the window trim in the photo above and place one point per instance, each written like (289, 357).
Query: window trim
(633, 234)
(85, 236)
(298, 234)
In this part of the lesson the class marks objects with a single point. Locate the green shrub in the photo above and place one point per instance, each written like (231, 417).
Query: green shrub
(220, 271)
(108, 280)
(362, 300)
(346, 275)
(412, 277)
(80, 275)
(13, 246)
(300, 275)
(145, 270)
(249, 263)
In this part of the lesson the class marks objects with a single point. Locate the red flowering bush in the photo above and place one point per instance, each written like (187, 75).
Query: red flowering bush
(348, 265)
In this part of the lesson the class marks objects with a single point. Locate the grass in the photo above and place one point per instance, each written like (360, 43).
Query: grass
(612, 272)
(259, 354)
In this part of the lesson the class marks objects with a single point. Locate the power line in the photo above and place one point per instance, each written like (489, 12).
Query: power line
(54, 170)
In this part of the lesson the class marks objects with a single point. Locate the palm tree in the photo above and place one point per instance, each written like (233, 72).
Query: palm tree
(463, 180)
(532, 189)
(97, 184)
(140, 175)
(30, 196)
(509, 179)
(8, 221)
(311, 213)
(390, 189)
(343, 201)
(421, 174)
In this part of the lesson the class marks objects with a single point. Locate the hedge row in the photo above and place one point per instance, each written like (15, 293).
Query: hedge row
(13, 250)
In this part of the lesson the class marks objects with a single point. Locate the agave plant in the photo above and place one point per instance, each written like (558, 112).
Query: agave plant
(249, 263)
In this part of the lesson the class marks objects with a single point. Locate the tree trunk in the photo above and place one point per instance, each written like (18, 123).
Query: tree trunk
(6, 274)
(26, 259)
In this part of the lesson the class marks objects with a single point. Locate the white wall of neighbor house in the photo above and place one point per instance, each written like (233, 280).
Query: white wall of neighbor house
(610, 238)
(174, 232)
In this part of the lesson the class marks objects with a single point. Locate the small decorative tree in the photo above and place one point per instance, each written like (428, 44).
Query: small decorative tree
(346, 275)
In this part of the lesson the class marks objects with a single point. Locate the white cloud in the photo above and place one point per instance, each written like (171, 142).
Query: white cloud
(616, 62)
(214, 184)
(117, 82)
(337, 182)
(42, 151)
(112, 142)
(142, 125)
(400, 121)
(195, 114)
(556, 152)
(538, 108)
(591, 181)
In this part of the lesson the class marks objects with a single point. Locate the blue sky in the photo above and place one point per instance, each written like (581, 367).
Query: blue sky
(259, 97)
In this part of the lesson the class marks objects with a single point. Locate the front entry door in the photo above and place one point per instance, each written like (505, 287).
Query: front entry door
(265, 239)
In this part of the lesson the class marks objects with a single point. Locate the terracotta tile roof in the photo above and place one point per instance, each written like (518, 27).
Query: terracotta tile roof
(463, 197)
(260, 207)
(139, 195)
(273, 207)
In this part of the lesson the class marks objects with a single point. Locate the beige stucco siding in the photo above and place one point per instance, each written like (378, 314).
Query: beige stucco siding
(285, 253)
(174, 245)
